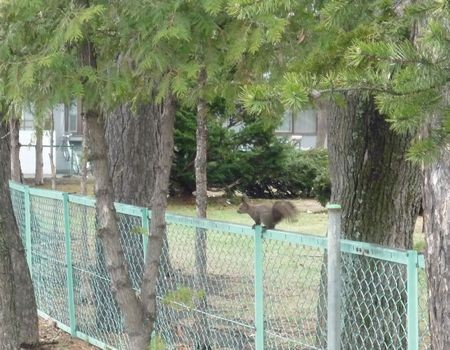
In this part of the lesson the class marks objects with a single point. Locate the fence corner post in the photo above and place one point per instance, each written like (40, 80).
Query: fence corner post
(259, 288)
(69, 266)
(334, 277)
(413, 300)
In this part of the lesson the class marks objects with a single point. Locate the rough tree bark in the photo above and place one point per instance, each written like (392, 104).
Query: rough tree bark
(25, 304)
(9, 333)
(131, 146)
(379, 191)
(436, 205)
(39, 170)
(201, 201)
(108, 230)
(164, 132)
(14, 127)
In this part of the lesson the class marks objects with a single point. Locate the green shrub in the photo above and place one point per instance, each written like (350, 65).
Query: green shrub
(250, 159)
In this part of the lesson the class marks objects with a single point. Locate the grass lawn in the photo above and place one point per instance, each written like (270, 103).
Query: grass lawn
(312, 218)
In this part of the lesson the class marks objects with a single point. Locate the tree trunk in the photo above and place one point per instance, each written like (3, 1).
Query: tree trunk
(379, 191)
(436, 205)
(84, 152)
(22, 289)
(39, 172)
(52, 150)
(201, 201)
(164, 131)
(108, 230)
(131, 153)
(323, 106)
(9, 333)
(131, 146)
(14, 126)
(371, 177)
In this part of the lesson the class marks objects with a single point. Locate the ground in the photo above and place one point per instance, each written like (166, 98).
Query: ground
(53, 338)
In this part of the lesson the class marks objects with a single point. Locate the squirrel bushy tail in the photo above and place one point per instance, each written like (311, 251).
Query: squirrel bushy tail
(284, 210)
(267, 215)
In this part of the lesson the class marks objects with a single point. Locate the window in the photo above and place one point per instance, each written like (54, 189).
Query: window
(71, 118)
(305, 122)
(27, 122)
(299, 123)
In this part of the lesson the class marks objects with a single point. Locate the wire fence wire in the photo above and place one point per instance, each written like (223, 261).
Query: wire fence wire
(220, 286)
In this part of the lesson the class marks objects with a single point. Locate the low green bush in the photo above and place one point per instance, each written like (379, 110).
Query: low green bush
(249, 159)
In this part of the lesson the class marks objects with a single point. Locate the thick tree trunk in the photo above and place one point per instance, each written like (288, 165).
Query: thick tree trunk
(131, 146)
(201, 200)
(379, 191)
(39, 171)
(9, 333)
(108, 230)
(14, 126)
(23, 294)
(131, 154)
(132, 151)
(436, 204)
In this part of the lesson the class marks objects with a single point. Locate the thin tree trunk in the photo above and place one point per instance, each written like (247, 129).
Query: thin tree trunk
(52, 149)
(39, 171)
(14, 126)
(23, 294)
(436, 205)
(165, 121)
(379, 191)
(84, 152)
(201, 200)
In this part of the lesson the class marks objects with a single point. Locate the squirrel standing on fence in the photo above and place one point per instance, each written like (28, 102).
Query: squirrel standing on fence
(269, 216)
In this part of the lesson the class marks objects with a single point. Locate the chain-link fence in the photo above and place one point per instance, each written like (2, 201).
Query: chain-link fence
(222, 286)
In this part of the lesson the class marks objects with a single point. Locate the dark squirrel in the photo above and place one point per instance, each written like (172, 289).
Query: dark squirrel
(269, 216)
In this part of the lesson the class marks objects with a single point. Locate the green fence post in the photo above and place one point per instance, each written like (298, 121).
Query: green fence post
(146, 231)
(70, 291)
(259, 288)
(27, 207)
(413, 302)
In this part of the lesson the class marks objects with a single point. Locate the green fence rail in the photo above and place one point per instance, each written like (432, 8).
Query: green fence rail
(263, 290)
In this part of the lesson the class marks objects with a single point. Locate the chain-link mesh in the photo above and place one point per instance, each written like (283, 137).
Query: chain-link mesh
(206, 292)
(48, 257)
(424, 322)
(374, 303)
(293, 283)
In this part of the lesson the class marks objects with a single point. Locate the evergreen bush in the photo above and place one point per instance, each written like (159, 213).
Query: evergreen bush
(249, 159)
